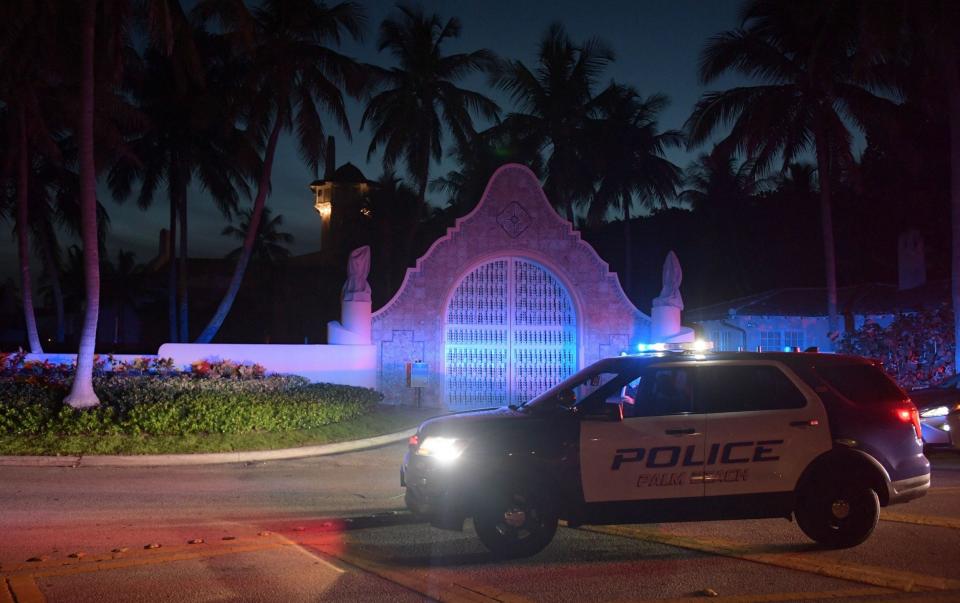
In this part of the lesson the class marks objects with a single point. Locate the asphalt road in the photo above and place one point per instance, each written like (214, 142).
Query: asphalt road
(334, 529)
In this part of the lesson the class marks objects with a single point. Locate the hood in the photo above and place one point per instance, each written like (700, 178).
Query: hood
(474, 423)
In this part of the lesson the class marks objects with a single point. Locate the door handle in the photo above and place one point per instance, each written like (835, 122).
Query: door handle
(807, 423)
(677, 432)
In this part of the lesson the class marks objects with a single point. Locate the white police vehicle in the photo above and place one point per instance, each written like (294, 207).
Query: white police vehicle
(825, 439)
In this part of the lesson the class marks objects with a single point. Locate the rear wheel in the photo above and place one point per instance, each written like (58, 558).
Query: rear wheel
(837, 515)
(517, 522)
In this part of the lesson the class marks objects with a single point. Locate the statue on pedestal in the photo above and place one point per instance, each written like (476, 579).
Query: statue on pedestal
(356, 323)
(665, 326)
(358, 267)
(672, 276)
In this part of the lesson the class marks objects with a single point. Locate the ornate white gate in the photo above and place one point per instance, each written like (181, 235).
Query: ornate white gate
(510, 334)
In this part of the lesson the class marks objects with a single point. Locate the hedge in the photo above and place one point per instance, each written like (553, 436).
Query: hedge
(180, 405)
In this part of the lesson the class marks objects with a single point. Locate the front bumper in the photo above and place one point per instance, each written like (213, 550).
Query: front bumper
(435, 491)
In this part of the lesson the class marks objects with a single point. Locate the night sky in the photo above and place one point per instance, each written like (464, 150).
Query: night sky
(656, 44)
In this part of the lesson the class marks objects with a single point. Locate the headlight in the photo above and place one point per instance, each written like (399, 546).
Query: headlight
(444, 450)
(938, 411)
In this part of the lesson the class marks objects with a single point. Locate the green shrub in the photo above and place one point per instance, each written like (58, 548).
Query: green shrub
(180, 405)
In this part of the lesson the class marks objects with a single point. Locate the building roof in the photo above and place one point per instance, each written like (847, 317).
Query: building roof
(872, 298)
(345, 174)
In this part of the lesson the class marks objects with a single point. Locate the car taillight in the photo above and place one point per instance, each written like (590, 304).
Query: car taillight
(414, 442)
(910, 414)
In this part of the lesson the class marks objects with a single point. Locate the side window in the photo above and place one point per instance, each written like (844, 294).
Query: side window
(664, 391)
(738, 388)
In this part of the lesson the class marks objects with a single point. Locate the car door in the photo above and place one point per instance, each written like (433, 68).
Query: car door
(655, 451)
(763, 427)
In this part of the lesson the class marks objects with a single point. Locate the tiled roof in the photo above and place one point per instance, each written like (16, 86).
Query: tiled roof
(874, 298)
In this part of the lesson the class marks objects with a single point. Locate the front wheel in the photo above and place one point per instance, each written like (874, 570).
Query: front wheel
(516, 523)
(837, 515)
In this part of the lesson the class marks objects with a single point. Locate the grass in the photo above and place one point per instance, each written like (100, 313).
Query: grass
(384, 419)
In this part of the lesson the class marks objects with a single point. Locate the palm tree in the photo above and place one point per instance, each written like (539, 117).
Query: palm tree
(803, 54)
(555, 103)
(292, 75)
(190, 136)
(628, 158)
(112, 47)
(30, 96)
(81, 390)
(478, 158)
(715, 183)
(421, 96)
(720, 191)
(269, 246)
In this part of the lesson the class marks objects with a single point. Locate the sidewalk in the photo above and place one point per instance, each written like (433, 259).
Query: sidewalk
(167, 460)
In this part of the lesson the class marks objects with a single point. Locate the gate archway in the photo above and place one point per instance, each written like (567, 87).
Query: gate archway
(510, 333)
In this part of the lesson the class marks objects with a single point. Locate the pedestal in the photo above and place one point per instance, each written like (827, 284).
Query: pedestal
(355, 324)
(665, 326)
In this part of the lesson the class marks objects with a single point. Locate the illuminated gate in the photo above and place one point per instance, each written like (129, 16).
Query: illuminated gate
(510, 334)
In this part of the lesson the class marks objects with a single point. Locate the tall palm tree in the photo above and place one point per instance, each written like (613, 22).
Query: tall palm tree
(269, 247)
(293, 74)
(103, 39)
(629, 158)
(29, 94)
(478, 158)
(719, 189)
(921, 40)
(803, 54)
(190, 136)
(715, 183)
(81, 390)
(421, 98)
(554, 104)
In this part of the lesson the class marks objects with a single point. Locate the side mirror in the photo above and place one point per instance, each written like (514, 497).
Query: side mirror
(566, 398)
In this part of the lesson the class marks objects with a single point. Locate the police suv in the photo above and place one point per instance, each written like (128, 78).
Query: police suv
(826, 439)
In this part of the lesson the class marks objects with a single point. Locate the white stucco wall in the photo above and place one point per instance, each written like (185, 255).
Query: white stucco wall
(343, 364)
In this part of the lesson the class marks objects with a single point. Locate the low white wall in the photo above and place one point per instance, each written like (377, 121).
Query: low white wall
(344, 364)
(72, 358)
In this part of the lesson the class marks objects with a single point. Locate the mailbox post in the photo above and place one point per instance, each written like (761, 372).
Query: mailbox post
(418, 373)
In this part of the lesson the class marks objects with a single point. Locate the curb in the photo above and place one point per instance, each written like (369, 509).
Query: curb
(214, 458)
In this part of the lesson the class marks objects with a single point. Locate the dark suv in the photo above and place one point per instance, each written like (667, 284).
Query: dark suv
(826, 439)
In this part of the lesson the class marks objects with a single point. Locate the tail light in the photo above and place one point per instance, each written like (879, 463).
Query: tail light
(414, 442)
(910, 414)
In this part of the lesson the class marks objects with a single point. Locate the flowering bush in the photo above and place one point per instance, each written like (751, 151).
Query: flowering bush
(182, 404)
(151, 396)
(15, 367)
(917, 350)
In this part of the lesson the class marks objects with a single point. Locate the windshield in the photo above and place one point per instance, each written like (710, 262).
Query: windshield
(598, 380)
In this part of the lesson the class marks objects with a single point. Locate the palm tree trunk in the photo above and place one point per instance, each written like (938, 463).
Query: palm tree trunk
(953, 114)
(182, 293)
(826, 227)
(81, 392)
(172, 274)
(23, 234)
(263, 188)
(627, 244)
(53, 270)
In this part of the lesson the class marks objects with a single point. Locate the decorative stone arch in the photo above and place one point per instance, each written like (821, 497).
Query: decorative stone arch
(513, 219)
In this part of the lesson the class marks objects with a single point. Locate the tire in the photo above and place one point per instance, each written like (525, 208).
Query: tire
(837, 515)
(518, 522)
